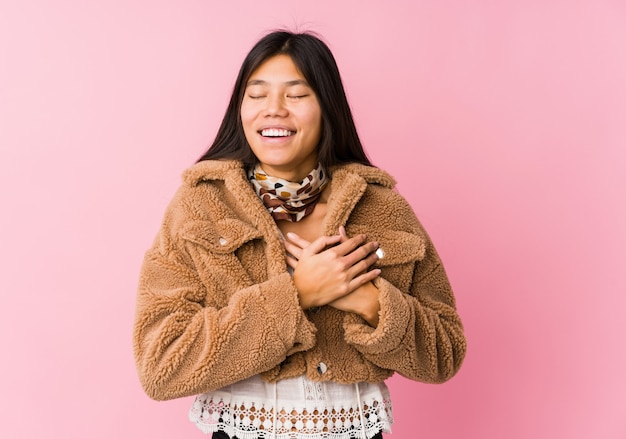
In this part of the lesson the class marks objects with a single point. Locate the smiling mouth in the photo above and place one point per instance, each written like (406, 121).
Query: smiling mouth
(273, 132)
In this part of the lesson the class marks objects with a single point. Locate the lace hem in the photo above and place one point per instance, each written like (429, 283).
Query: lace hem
(252, 421)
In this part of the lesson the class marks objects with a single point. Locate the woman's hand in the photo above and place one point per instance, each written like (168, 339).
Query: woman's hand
(332, 271)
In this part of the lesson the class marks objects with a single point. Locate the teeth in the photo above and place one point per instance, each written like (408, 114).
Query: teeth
(276, 133)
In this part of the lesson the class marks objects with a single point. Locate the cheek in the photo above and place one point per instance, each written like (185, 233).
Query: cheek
(248, 131)
(313, 119)
(316, 123)
(247, 116)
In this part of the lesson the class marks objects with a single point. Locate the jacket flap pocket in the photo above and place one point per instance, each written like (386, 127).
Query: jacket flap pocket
(222, 236)
(397, 247)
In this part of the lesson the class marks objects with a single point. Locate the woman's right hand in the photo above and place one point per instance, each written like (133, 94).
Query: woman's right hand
(330, 267)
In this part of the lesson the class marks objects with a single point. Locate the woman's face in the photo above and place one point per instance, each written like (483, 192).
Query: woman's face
(282, 119)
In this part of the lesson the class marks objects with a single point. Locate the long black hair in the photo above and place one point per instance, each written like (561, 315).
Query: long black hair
(339, 141)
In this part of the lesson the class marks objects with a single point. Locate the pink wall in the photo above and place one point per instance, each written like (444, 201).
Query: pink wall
(504, 123)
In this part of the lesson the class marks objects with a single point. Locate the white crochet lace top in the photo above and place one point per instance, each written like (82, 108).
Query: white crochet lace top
(306, 410)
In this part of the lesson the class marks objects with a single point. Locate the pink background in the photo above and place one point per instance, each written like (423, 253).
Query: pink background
(503, 121)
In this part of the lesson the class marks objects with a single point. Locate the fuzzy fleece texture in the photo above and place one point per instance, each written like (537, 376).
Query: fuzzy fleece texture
(216, 303)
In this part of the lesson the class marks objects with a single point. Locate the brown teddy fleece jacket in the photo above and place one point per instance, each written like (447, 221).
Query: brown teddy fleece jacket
(216, 303)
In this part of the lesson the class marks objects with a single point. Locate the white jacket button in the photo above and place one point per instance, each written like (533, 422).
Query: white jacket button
(321, 368)
(223, 241)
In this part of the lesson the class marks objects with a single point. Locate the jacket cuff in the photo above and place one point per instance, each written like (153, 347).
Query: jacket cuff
(282, 307)
(394, 318)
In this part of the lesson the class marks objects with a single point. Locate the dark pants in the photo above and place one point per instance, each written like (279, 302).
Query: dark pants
(222, 435)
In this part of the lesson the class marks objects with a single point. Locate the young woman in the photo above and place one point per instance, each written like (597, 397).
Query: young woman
(289, 279)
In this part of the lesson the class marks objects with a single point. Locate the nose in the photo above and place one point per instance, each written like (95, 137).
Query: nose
(275, 106)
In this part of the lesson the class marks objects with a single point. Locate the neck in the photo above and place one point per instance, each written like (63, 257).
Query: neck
(292, 174)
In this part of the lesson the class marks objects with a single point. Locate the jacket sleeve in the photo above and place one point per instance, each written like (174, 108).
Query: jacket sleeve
(419, 333)
(186, 344)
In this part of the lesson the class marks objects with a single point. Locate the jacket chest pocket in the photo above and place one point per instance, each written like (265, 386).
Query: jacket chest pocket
(398, 252)
(223, 252)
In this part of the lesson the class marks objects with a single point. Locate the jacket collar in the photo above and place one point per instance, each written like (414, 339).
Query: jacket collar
(208, 170)
(220, 170)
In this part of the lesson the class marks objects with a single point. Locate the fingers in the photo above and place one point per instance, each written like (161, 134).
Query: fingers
(323, 242)
(314, 247)
(362, 265)
(343, 234)
(296, 239)
(358, 255)
(363, 279)
(291, 261)
(354, 251)
(293, 250)
(348, 245)
(362, 253)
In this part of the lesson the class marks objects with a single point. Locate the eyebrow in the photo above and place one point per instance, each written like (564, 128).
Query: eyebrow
(288, 83)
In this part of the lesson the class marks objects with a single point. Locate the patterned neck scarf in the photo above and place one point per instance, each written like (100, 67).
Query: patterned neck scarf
(287, 200)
